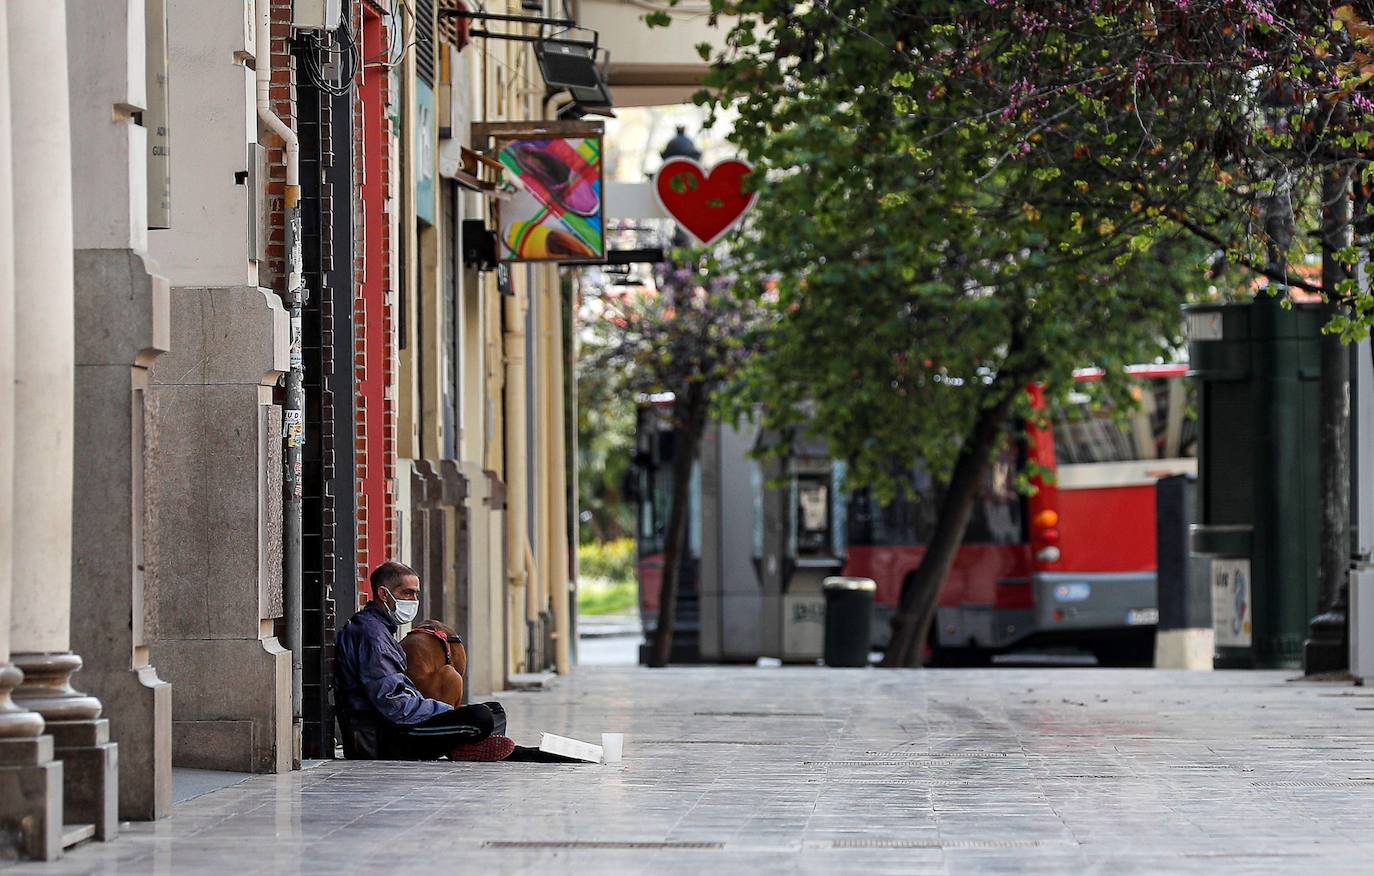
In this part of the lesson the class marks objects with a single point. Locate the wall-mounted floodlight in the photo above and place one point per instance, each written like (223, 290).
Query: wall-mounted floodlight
(578, 66)
(595, 101)
(568, 64)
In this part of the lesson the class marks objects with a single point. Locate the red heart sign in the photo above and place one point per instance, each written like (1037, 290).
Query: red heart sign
(705, 204)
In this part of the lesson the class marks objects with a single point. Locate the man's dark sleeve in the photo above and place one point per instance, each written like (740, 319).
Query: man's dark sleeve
(384, 681)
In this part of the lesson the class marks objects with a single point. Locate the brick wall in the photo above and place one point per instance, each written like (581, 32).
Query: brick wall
(283, 97)
(373, 307)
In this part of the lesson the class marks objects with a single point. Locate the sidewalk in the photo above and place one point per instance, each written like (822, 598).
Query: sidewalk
(742, 770)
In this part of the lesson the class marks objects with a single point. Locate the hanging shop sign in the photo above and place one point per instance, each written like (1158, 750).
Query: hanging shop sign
(555, 210)
(426, 137)
(705, 204)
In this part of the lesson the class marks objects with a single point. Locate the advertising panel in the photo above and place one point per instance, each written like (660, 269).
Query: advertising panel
(554, 209)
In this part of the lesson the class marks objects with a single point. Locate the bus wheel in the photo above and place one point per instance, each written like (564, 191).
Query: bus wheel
(1133, 648)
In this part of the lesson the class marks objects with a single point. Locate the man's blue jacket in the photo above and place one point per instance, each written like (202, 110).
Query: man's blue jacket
(371, 669)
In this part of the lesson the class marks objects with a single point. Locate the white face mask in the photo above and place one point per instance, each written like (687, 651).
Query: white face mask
(406, 609)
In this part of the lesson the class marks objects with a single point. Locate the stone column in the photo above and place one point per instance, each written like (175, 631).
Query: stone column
(214, 531)
(483, 614)
(40, 625)
(30, 780)
(218, 522)
(454, 495)
(122, 322)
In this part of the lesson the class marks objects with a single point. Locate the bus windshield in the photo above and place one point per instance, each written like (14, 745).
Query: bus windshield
(998, 517)
(1163, 427)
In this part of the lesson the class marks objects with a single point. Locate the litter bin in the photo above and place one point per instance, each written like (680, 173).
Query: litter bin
(848, 620)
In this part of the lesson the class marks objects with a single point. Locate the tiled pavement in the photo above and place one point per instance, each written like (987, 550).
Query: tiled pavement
(732, 770)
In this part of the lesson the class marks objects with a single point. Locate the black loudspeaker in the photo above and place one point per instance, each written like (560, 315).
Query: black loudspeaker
(479, 245)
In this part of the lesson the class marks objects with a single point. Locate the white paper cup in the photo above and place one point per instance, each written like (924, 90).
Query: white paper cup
(611, 746)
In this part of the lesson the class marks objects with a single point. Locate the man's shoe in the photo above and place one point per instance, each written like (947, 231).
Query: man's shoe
(489, 749)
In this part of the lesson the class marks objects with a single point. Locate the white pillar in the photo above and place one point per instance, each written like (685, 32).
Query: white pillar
(44, 320)
(6, 382)
(44, 417)
(30, 780)
(14, 722)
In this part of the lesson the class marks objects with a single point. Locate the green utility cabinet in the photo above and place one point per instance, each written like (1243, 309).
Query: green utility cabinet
(1258, 367)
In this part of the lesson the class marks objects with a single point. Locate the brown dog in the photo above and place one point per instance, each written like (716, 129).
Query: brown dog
(436, 661)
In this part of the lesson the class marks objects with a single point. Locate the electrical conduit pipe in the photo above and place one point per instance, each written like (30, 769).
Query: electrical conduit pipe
(517, 507)
(294, 414)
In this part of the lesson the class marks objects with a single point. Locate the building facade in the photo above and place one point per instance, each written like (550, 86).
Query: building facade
(204, 205)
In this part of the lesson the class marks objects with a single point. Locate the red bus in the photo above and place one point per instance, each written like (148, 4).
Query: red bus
(1075, 563)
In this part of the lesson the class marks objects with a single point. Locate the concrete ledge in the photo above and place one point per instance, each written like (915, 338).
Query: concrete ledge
(1184, 649)
(225, 746)
(240, 727)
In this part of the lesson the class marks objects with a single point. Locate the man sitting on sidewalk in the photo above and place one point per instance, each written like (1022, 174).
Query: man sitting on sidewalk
(382, 715)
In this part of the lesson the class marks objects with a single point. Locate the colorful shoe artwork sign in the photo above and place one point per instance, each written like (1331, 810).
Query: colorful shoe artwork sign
(705, 204)
(555, 209)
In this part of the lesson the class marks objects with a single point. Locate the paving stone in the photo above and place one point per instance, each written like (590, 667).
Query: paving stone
(800, 770)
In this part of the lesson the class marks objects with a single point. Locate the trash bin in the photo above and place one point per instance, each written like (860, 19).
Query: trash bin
(848, 620)
(1184, 638)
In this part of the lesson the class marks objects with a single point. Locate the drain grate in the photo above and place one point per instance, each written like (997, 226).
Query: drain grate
(931, 765)
(880, 781)
(1247, 855)
(595, 844)
(705, 742)
(951, 755)
(862, 763)
(935, 844)
(759, 714)
(1333, 784)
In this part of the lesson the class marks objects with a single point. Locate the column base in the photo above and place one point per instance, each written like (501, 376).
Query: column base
(138, 706)
(30, 800)
(90, 774)
(81, 739)
(244, 726)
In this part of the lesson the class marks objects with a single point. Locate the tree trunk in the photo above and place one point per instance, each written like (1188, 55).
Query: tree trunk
(921, 592)
(691, 418)
(1327, 649)
(1335, 395)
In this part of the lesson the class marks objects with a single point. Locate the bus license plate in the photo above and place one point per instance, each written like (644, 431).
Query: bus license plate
(1137, 616)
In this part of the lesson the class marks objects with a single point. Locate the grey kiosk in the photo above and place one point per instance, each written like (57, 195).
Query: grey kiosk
(1258, 366)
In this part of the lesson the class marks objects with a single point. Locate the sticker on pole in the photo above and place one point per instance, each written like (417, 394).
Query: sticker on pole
(1231, 602)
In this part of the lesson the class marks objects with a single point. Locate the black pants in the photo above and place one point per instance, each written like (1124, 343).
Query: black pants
(432, 739)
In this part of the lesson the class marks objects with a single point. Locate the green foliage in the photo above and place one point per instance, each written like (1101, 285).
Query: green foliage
(610, 560)
(931, 242)
(605, 439)
(596, 597)
(693, 329)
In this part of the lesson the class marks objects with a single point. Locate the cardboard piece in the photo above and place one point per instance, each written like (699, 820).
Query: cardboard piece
(570, 747)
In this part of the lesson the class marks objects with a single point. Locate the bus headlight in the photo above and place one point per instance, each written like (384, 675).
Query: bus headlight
(1048, 554)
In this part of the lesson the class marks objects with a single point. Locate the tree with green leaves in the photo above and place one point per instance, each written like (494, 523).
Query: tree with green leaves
(934, 246)
(688, 337)
(960, 197)
(605, 432)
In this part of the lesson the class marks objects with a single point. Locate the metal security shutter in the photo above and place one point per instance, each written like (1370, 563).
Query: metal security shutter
(424, 40)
